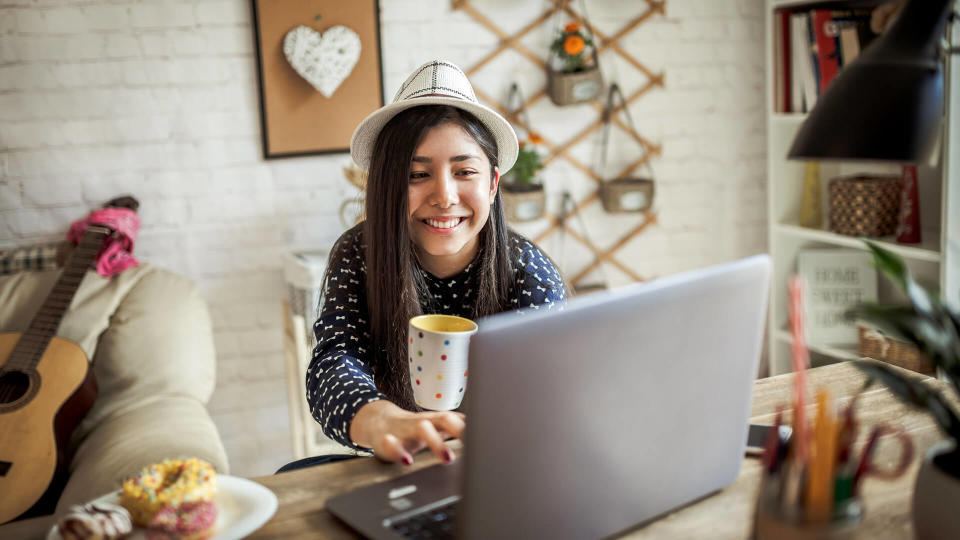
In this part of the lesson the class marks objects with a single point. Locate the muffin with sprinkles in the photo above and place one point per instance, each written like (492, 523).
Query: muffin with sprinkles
(167, 485)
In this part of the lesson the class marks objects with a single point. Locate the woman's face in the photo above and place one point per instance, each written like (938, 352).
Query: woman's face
(450, 191)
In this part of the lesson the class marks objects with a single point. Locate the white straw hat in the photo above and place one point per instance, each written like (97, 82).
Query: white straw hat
(435, 83)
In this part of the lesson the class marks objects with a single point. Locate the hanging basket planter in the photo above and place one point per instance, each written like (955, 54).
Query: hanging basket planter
(523, 202)
(573, 88)
(573, 68)
(627, 195)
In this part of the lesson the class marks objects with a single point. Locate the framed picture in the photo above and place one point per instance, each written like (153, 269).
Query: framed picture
(836, 280)
(320, 72)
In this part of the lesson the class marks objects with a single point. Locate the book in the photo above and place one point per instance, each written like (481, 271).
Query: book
(825, 37)
(804, 87)
(814, 58)
(781, 60)
(853, 28)
(836, 280)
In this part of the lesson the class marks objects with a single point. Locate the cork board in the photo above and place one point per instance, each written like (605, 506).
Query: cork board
(297, 118)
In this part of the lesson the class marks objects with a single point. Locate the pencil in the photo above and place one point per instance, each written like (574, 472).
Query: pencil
(820, 484)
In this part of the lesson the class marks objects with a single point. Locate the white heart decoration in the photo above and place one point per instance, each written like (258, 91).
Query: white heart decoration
(325, 61)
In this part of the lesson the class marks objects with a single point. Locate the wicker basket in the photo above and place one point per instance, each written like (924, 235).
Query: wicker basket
(864, 205)
(627, 195)
(523, 204)
(573, 88)
(876, 345)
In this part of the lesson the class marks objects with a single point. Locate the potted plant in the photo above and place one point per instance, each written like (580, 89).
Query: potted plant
(573, 72)
(933, 326)
(523, 195)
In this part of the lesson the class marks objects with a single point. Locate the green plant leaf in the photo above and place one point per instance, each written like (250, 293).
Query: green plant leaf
(915, 393)
(929, 322)
(889, 263)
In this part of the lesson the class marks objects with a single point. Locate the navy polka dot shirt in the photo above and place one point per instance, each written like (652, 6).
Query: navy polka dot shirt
(340, 376)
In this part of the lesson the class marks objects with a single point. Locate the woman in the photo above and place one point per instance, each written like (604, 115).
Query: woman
(434, 241)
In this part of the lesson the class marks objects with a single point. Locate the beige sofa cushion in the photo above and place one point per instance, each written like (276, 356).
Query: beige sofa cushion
(159, 343)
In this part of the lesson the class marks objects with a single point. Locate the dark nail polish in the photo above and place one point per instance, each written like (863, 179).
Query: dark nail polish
(407, 461)
(448, 455)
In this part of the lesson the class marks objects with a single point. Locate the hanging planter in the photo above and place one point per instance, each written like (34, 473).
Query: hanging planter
(573, 74)
(523, 202)
(628, 193)
(524, 198)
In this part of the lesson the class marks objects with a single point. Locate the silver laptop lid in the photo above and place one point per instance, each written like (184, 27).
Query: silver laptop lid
(628, 403)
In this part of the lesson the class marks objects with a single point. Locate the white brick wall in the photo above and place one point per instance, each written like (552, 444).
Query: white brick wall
(159, 99)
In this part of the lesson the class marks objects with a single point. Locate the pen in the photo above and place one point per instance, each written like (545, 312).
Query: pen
(847, 432)
(865, 459)
(771, 451)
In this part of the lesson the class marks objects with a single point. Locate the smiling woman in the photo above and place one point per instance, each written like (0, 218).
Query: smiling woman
(434, 241)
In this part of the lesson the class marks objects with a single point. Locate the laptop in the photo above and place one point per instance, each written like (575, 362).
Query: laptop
(588, 421)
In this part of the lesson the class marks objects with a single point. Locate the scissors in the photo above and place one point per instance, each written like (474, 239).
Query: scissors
(866, 464)
(848, 482)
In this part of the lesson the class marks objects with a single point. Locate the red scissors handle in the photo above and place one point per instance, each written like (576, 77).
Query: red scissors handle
(867, 466)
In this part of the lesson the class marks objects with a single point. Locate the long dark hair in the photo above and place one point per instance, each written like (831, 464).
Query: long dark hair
(394, 286)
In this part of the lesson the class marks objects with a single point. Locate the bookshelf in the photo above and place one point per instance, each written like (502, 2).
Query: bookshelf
(936, 260)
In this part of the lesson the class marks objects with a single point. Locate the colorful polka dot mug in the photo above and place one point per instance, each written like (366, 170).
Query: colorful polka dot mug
(437, 349)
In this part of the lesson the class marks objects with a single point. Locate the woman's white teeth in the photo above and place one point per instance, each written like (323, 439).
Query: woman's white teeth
(445, 224)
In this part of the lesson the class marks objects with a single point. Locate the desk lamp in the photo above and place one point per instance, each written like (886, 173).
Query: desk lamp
(887, 104)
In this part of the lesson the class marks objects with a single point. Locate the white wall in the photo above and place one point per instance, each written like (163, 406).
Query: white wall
(159, 99)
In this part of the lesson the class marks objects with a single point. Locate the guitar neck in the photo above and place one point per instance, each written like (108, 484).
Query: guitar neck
(46, 322)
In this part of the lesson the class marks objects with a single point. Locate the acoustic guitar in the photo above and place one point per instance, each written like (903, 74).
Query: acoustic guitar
(46, 388)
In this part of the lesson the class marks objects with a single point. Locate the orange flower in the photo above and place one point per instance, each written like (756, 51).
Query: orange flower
(535, 138)
(571, 27)
(573, 45)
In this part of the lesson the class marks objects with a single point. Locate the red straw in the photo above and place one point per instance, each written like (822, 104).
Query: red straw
(800, 361)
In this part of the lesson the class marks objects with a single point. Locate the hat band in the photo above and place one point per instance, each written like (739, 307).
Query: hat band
(427, 92)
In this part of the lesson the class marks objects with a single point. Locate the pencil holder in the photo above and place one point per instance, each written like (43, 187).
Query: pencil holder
(772, 522)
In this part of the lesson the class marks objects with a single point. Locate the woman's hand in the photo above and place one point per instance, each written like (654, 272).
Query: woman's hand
(395, 434)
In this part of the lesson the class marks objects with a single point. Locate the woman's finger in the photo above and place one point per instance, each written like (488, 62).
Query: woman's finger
(451, 424)
(391, 449)
(427, 433)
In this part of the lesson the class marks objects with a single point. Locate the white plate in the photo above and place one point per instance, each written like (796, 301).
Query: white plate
(243, 506)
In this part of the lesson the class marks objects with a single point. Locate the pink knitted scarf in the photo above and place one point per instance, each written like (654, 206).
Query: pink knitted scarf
(116, 255)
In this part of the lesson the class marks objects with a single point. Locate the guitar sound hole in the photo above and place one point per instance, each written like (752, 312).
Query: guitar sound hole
(13, 385)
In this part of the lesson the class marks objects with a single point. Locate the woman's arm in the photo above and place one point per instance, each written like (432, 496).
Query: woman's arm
(539, 284)
(341, 391)
(340, 377)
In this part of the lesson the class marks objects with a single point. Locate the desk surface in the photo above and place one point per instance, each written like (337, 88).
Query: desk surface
(728, 514)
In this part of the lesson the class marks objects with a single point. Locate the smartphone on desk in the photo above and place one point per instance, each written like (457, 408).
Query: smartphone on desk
(758, 435)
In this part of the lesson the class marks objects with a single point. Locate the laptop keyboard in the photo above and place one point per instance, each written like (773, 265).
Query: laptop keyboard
(435, 523)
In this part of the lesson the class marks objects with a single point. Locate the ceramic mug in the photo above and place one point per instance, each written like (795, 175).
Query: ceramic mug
(437, 347)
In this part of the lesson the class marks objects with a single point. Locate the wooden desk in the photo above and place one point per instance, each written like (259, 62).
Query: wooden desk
(728, 514)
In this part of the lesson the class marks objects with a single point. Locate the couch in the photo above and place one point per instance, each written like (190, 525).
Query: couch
(148, 334)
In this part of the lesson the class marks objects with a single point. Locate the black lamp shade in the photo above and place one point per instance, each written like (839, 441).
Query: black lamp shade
(887, 105)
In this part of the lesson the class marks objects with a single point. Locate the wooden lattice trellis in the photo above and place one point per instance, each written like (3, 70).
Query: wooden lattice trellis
(561, 150)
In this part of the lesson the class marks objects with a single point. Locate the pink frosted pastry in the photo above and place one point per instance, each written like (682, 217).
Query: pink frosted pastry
(95, 521)
(189, 521)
